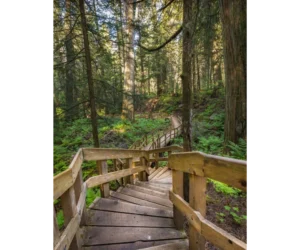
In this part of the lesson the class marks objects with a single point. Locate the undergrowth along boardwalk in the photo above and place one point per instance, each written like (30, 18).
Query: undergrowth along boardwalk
(146, 211)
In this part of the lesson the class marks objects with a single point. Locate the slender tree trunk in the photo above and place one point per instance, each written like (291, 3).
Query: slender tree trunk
(70, 65)
(198, 74)
(128, 107)
(187, 83)
(89, 73)
(233, 17)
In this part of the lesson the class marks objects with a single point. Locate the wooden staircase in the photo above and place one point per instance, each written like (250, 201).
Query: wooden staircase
(138, 216)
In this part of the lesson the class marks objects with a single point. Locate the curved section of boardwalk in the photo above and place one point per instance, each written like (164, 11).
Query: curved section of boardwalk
(135, 217)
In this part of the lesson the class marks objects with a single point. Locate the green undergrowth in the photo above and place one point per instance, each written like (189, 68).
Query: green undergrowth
(113, 133)
(225, 189)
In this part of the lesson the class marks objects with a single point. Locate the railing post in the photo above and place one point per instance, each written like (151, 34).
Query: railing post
(131, 165)
(103, 169)
(78, 184)
(177, 182)
(69, 208)
(197, 200)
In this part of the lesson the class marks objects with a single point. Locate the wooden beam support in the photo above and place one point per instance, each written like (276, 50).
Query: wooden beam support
(56, 232)
(177, 181)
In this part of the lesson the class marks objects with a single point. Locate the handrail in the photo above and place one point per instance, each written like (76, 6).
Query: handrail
(200, 166)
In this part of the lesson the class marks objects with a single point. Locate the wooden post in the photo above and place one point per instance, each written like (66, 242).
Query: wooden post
(69, 208)
(177, 181)
(106, 185)
(197, 200)
(131, 165)
(78, 184)
(56, 232)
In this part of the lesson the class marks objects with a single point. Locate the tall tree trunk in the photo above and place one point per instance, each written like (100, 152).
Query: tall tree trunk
(233, 16)
(70, 65)
(187, 83)
(198, 74)
(128, 107)
(89, 73)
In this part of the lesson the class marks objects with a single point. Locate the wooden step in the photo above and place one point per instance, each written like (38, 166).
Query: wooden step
(148, 185)
(148, 191)
(117, 219)
(150, 177)
(166, 180)
(131, 246)
(114, 235)
(160, 173)
(182, 245)
(164, 175)
(104, 204)
(147, 197)
(138, 201)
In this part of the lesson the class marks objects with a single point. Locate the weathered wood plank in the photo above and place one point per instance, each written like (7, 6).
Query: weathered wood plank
(100, 179)
(108, 218)
(147, 197)
(177, 188)
(147, 185)
(165, 149)
(132, 245)
(112, 235)
(97, 154)
(167, 181)
(68, 234)
(76, 164)
(62, 182)
(135, 200)
(166, 174)
(197, 200)
(230, 171)
(81, 205)
(182, 245)
(217, 236)
(165, 169)
(120, 206)
(149, 191)
(154, 173)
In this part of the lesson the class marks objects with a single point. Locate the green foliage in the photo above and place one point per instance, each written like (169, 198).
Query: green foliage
(91, 195)
(210, 145)
(162, 163)
(220, 216)
(238, 219)
(60, 219)
(225, 189)
(239, 150)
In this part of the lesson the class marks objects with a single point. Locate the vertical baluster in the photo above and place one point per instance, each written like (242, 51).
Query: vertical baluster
(103, 169)
(131, 165)
(56, 232)
(177, 182)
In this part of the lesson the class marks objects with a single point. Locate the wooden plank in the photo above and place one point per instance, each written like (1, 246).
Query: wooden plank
(167, 181)
(100, 179)
(177, 188)
(68, 234)
(132, 245)
(147, 197)
(81, 205)
(134, 200)
(76, 164)
(154, 173)
(211, 232)
(165, 175)
(160, 173)
(197, 200)
(97, 154)
(148, 185)
(149, 191)
(56, 232)
(120, 206)
(62, 182)
(78, 185)
(108, 218)
(182, 245)
(113, 235)
(165, 149)
(230, 171)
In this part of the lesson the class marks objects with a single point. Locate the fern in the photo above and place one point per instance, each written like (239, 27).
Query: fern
(239, 150)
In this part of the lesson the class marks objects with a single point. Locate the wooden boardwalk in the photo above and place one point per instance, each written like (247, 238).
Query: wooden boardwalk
(138, 216)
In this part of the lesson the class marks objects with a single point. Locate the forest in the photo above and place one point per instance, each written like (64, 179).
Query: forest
(124, 68)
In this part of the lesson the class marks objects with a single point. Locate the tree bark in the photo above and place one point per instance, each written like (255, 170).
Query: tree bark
(233, 17)
(187, 83)
(89, 73)
(128, 107)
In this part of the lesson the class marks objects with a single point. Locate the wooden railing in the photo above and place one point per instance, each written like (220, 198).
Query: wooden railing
(200, 166)
(70, 188)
